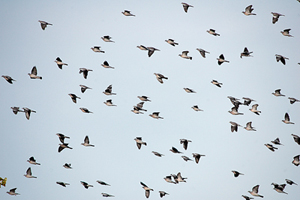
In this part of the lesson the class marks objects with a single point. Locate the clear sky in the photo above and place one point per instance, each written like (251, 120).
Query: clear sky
(115, 159)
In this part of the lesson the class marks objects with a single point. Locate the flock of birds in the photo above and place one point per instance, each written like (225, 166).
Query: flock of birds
(138, 109)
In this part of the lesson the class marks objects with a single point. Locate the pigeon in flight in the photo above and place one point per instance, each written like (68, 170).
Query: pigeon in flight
(221, 59)
(247, 101)
(188, 90)
(28, 112)
(271, 147)
(109, 103)
(67, 166)
(139, 142)
(184, 55)
(8, 79)
(248, 11)
(142, 47)
(106, 65)
(254, 191)
(102, 183)
(44, 24)
(196, 108)
(155, 115)
(160, 77)
(275, 17)
(137, 109)
(234, 126)
(85, 110)
(277, 93)
(107, 38)
(16, 110)
(144, 98)
(63, 146)
(185, 158)
(286, 32)
(186, 6)
(246, 53)
(290, 182)
(147, 189)
(254, 109)
(127, 13)
(162, 194)
(60, 63)
(85, 185)
(249, 127)
(216, 83)
(84, 71)
(174, 150)
(293, 100)
(106, 195)
(296, 160)
(281, 58)
(197, 157)
(171, 42)
(62, 183)
(178, 178)
(62, 137)
(33, 161)
(213, 32)
(86, 142)
(202, 52)
(169, 179)
(83, 88)
(234, 111)
(185, 143)
(29, 173)
(296, 138)
(151, 51)
(236, 173)
(33, 74)
(276, 141)
(74, 97)
(108, 91)
(13, 192)
(287, 119)
(157, 154)
(279, 188)
(97, 49)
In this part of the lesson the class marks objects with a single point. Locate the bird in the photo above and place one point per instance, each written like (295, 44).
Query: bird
(85, 185)
(29, 173)
(249, 127)
(160, 77)
(109, 103)
(216, 83)
(106, 65)
(275, 17)
(44, 24)
(236, 173)
(74, 97)
(28, 112)
(85, 72)
(186, 6)
(60, 63)
(185, 143)
(277, 93)
(85, 110)
(97, 49)
(281, 58)
(8, 79)
(16, 110)
(33, 161)
(184, 55)
(221, 59)
(202, 52)
(62, 183)
(155, 115)
(276, 141)
(108, 91)
(279, 188)
(147, 189)
(83, 88)
(139, 142)
(12, 192)
(171, 42)
(234, 101)
(234, 111)
(151, 51)
(174, 150)
(290, 182)
(139, 106)
(102, 183)
(67, 166)
(157, 154)
(63, 146)
(197, 157)
(254, 109)
(287, 119)
(169, 179)
(162, 194)
(196, 108)
(271, 147)
(296, 160)
(188, 90)
(247, 101)
(127, 13)
(234, 126)
(254, 191)
(33, 74)
(107, 38)
(142, 47)
(106, 195)
(286, 32)
(246, 53)
(293, 100)
(213, 32)
(185, 158)
(296, 138)
(86, 142)
(178, 178)
(62, 137)
(144, 98)
(248, 11)
(247, 198)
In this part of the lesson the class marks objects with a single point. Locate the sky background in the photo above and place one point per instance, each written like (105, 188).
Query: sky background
(115, 159)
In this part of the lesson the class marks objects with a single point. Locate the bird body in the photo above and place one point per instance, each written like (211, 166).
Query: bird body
(106, 65)
(197, 157)
(157, 154)
(109, 103)
(63, 146)
(44, 24)
(97, 49)
(151, 51)
(234, 111)
(254, 109)
(16, 110)
(62, 183)
(213, 32)
(106, 38)
(174, 150)
(296, 160)
(155, 115)
(196, 108)
(271, 147)
(277, 93)
(185, 143)
(127, 13)
(236, 173)
(275, 17)
(85, 110)
(281, 58)
(144, 98)
(216, 83)
(188, 90)
(147, 189)
(286, 32)
(234, 126)
(85, 185)
(13, 192)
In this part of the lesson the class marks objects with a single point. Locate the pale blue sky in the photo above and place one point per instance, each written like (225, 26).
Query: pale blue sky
(78, 26)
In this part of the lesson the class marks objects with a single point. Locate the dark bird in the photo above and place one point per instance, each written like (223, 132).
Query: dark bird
(33, 161)
(188, 90)
(276, 141)
(147, 189)
(86, 142)
(290, 182)
(296, 160)
(33, 74)
(29, 173)
(286, 32)
(106, 38)
(221, 59)
(254, 191)
(279, 188)
(60, 63)
(202, 52)
(157, 154)
(144, 98)
(108, 91)
(197, 157)
(160, 77)
(249, 127)
(213, 32)
(97, 49)
(162, 194)
(287, 119)
(236, 173)
(281, 58)
(254, 109)
(44, 24)
(185, 143)
(139, 142)
(83, 88)
(216, 83)
(277, 93)
(275, 17)
(85, 185)
(8, 79)
(169, 179)
(185, 158)
(107, 195)
(178, 178)
(293, 100)
(67, 166)
(109, 102)
(247, 101)
(151, 51)
(102, 183)
(12, 192)
(271, 147)
(171, 42)
(62, 137)
(28, 112)
(74, 97)
(248, 11)
(127, 13)
(185, 55)
(106, 65)
(246, 53)
(142, 47)
(85, 110)
(234, 126)
(196, 108)
(63, 146)
(234, 111)
(296, 138)
(16, 110)
(155, 115)
(62, 183)
(186, 6)
(174, 150)
(84, 71)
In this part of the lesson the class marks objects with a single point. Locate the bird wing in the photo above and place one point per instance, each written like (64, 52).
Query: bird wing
(287, 117)
(34, 70)
(86, 140)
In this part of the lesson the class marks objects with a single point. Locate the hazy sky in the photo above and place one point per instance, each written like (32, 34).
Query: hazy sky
(115, 159)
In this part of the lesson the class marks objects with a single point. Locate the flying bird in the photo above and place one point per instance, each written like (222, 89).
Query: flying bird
(185, 158)
(67, 166)
(276, 141)
(155, 115)
(248, 11)
(271, 147)
(196, 108)
(142, 47)
(184, 55)
(107, 38)
(277, 93)
(287, 119)
(29, 173)
(13, 192)
(16, 110)
(106, 65)
(254, 191)
(83, 88)
(144, 98)
(197, 157)
(202, 52)
(127, 13)
(286, 32)
(44, 24)
(97, 49)
(236, 173)
(109, 103)
(293, 100)
(213, 32)
(84, 71)
(162, 194)
(147, 189)
(33, 74)
(178, 178)
(171, 42)
(296, 160)
(8, 79)
(74, 97)
(249, 127)
(246, 53)
(234, 126)
(169, 179)
(63, 146)
(185, 143)
(186, 6)
(137, 109)
(62, 137)
(62, 183)
(108, 91)
(33, 161)
(85, 110)
(174, 150)
(247, 101)
(157, 154)
(279, 188)
(28, 112)
(296, 138)
(106, 195)
(221, 59)
(85, 185)
(234, 111)
(254, 109)
(275, 17)
(86, 142)
(281, 58)
(290, 182)
(102, 183)
(188, 90)
(60, 63)
(139, 142)
(216, 83)
(160, 77)
(151, 51)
